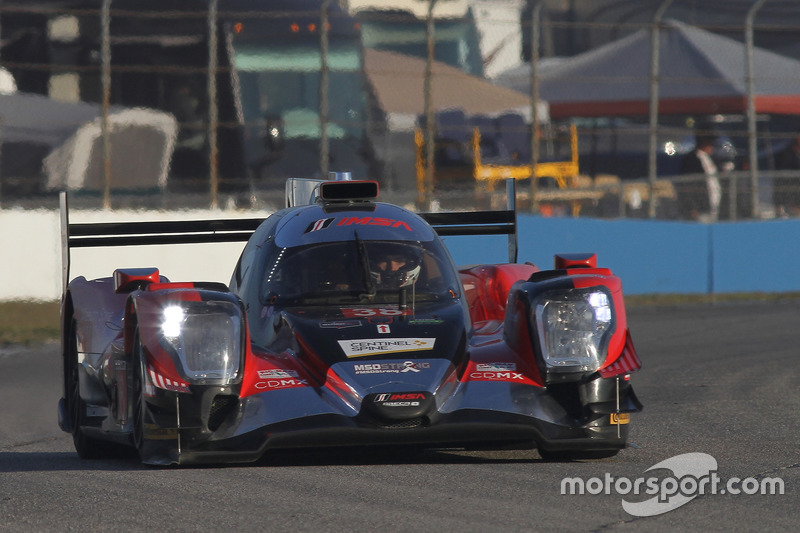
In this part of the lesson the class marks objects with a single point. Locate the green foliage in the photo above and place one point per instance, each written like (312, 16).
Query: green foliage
(29, 322)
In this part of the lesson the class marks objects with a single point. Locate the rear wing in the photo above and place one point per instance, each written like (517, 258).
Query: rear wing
(106, 234)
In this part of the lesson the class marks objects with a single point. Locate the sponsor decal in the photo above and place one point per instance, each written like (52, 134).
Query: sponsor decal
(340, 324)
(373, 221)
(499, 376)
(365, 347)
(384, 328)
(372, 312)
(281, 383)
(390, 368)
(399, 396)
(497, 371)
(277, 373)
(318, 225)
(425, 321)
(400, 399)
(495, 367)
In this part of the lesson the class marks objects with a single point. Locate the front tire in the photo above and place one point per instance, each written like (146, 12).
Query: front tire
(86, 446)
(139, 406)
(152, 451)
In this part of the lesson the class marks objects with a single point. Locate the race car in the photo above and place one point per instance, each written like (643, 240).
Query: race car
(345, 323)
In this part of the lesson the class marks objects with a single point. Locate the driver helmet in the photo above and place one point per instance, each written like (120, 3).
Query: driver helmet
(394, 266)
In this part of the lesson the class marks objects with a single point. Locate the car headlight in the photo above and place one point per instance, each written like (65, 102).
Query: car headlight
(574, 328)
(206, 337)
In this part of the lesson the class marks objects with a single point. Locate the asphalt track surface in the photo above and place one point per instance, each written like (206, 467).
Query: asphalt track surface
(718, 379)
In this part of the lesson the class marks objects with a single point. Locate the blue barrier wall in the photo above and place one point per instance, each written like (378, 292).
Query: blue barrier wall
(654, 257)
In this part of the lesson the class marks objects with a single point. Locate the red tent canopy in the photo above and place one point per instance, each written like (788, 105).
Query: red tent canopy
(700, 73)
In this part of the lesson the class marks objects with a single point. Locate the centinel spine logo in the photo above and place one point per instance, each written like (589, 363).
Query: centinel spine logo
(692, 475)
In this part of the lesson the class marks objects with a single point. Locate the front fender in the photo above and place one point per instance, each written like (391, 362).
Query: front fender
(524, 296)
(486, 288)
(98, 313)
(211, 330)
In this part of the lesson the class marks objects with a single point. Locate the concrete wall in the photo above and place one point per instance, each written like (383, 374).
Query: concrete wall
(31, 246)
(651, 257)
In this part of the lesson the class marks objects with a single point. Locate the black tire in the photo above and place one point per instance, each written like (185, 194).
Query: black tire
(150, 451)
(86, 446)
(138, 397)
(153, 451)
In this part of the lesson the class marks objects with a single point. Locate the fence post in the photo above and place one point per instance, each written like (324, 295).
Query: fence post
(535, 22)
(752, 145)
(429, 112)
(105, 76)
(654, 72)
(213, 111)
(324, 147)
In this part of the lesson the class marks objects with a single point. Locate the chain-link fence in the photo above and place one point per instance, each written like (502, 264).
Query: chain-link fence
(181, 103)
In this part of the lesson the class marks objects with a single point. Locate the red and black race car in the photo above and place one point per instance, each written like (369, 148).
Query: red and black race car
(345, 323)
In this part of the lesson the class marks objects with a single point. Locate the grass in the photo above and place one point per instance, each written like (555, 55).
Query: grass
(673, 299)
(27, 323)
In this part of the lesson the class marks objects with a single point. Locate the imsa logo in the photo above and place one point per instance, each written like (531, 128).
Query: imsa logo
(318, 225)
(400, 405)
(373, 221)
(399, 397)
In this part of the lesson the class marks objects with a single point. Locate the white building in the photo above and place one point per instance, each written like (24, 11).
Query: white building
(496, 22)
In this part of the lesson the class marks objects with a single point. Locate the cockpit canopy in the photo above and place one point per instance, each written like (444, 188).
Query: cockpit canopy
(359, 271)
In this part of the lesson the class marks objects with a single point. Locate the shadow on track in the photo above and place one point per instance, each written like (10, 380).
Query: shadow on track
(355, 456)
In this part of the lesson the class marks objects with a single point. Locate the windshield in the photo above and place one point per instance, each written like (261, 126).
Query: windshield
(348, 272)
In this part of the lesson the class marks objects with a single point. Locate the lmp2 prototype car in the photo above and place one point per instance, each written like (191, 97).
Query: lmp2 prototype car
(345, 323)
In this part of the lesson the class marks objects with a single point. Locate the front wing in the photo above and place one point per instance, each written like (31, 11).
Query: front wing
(180, 428)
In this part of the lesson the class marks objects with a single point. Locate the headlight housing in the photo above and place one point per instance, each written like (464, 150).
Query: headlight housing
(206, 338)
(574, 328)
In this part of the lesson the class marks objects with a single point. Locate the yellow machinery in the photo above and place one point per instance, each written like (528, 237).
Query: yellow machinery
(572, 187)
(565, 173)
(561, 171)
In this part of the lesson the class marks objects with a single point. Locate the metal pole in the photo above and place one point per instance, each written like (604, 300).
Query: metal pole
(752, 145)
(105, 79)
(511, 205)
(1, 143)
(654, 72)
(65, 256)
(213, 111)
(535, 29)
(429, 118)
(324, 143)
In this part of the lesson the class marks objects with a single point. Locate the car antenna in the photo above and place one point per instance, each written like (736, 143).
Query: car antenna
(364, 258)
(403, 300)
